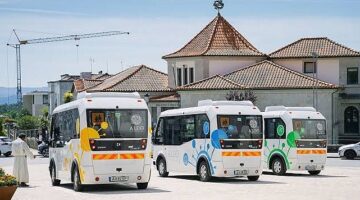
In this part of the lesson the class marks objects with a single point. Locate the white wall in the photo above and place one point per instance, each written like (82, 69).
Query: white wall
(226, 66)
(328, 69)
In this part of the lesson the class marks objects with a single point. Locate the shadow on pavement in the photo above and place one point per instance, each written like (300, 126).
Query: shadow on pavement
(290, 174)
(225, 180)
(113, 189)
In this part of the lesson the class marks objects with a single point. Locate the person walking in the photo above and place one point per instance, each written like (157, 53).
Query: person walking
(20, 150)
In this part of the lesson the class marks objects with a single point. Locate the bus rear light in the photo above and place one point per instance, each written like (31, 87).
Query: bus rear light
(143, 146)
(97, 179)
(221, 141)
(139, 178)
(92, 141)
(256, 171)
(143, 141)
(93, 147)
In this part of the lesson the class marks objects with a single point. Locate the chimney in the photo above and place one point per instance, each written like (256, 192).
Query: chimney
(85, 75)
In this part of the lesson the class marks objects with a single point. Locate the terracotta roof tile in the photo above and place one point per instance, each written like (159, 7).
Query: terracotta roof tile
(268, 75)
(137, 78)
(216, 82)
(218, 38)
(166, 98)
(323, 46)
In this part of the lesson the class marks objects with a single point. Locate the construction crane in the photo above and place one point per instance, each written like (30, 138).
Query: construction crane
(47, 40)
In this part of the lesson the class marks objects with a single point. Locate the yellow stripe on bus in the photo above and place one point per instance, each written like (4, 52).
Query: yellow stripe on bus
(311, 151)
(105, 156)
(132, 156)
(239, 153)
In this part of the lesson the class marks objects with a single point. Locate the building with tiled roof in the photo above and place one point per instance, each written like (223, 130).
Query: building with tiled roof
(134, 79)
(216, 50)
(322, 46)
(218, 38)
(262, 75)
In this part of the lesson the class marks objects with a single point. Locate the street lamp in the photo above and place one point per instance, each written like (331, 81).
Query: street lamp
(315, 57)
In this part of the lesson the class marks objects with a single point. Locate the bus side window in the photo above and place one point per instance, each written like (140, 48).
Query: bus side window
(187, 128)
(199, 126)
(171, 132)
(159, 133)
(275, 128)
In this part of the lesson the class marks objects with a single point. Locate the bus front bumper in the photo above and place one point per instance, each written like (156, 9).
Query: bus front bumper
(118, 178)
(237, 172)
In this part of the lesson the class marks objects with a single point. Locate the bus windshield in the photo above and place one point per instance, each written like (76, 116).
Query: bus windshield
(310, 128)
(119, 123)
(241, 126)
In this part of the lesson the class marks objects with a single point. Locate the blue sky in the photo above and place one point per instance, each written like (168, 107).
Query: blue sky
(157, 27)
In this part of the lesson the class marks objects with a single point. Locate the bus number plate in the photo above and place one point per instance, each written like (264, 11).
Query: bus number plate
(118, 178)
(240, 172)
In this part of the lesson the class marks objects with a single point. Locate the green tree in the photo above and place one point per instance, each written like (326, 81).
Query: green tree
(28, 122)
(2, 133)
(68, 96)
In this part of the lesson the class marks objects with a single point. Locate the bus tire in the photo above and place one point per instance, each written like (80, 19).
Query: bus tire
(161, 166)
(315, 172)
(350, 154)
(78, 187)
(278, 166)
(54, 181)
(204, 171)
(253, 178)
(142, 186)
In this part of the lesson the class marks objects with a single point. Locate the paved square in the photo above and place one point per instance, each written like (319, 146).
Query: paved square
(340, 180)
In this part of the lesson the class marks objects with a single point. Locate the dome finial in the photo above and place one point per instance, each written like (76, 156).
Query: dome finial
(218, 5)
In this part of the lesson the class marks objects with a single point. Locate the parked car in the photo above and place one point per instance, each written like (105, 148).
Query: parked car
(5, 146)
(43, 149)
(350, 151)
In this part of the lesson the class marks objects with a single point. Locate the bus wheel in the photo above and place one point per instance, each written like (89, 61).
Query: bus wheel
(253, 178)
(54, 181)
(142, 186)
(350, 154)
(278, 166)
(162, 168)
(316, 172)
(204, 172)
(77, 182)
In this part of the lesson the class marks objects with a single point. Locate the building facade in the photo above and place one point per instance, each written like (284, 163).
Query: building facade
(35, 102)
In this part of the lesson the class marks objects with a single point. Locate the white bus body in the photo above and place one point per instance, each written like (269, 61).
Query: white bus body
(295, 139)
(217, 138)
(101, 138)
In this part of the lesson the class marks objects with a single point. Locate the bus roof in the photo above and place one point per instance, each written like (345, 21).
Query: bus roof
(283, 108)
(104, 100)
(225, 107)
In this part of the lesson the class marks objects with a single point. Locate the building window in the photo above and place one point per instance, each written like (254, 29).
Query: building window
(309, 67)
(352, 75)
(351, 120)
(179, 77)
(191, 75)
(45, 99)
(153, 116)
(185, 75)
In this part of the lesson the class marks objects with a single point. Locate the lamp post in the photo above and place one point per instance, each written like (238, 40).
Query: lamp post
(315, 57)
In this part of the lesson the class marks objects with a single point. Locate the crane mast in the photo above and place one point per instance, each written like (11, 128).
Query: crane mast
(47, 40)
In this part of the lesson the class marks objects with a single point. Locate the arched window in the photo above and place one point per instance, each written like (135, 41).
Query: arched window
(351, 117)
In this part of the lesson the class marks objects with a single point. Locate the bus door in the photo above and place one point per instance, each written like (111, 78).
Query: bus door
(172, 142)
